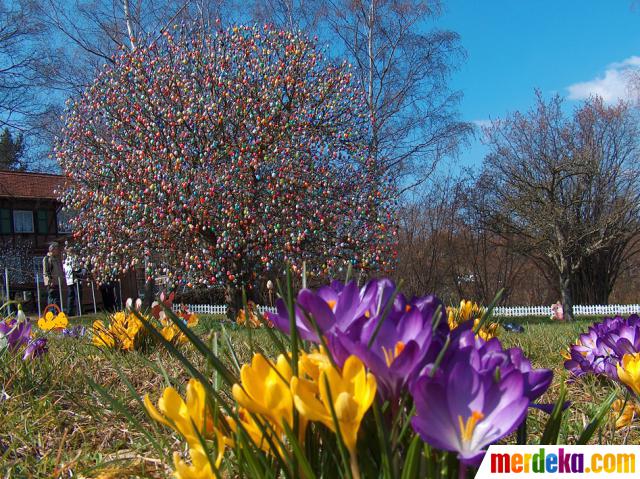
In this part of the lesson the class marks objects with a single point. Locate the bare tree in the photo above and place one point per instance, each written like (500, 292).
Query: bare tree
(19, 79)
(481, 262)
(566, 188)
(403, 64)
(85, 34)
(625, 290)
(443, 247)
(291, 14)
(425, 237)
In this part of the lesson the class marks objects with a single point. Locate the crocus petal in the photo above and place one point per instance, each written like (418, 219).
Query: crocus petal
(537, 382)
(173, 407)
(200, 467)
(154, 413)
(432, 419)
(347, 306)
(317, 308)
(304, 397)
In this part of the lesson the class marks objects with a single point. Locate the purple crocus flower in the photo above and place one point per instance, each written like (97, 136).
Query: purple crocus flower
(322, 306)
(536, 381)
(77, 331)
(478, 394)
(489, 357)
(36, 348)
(394, 340)
(17, 333)
(336, 307)
(624, 338)
(601, 348)
(593, 354)
(467, 410)
(397, 348)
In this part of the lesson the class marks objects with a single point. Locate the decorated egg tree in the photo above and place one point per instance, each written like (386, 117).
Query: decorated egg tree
(216, 158)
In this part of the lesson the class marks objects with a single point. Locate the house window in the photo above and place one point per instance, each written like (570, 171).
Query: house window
(23, 221)
(43, 222)
(63, 217)
(5, 221)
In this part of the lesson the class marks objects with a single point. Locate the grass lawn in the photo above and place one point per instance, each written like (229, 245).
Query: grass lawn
(54, 424)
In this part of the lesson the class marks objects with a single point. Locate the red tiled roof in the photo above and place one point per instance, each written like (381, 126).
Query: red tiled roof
(22, 184)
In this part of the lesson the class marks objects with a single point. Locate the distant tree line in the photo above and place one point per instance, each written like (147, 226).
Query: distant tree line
(555, 209)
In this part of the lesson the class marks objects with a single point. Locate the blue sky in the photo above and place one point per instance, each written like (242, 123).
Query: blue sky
(568, 47)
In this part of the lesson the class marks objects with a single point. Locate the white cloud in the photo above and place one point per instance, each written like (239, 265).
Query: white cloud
(482, 123)
(612, 86)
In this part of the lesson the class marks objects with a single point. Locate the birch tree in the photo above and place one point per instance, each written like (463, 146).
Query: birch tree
(403, 63)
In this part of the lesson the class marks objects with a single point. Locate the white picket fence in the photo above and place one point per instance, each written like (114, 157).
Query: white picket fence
(506, 311)
(512, 311)
(215, 308)
(578, 310)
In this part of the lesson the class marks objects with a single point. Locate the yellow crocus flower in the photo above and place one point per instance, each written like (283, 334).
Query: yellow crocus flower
(192, 320)
(352, 392)
(451, 318)
(488, 331)
(265, 389)
(200, 467)
(310, 364)
(124, 332)
(190, 418)
(470, 311)
(173, 333)
(101, 336)
(624, 417)
(182, 416)
(629, 371)
(466, 308)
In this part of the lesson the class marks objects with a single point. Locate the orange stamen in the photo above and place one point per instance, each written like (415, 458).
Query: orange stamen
(391, 356)
(466, 429)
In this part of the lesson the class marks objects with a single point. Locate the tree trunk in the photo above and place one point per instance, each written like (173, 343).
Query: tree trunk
(233, 300)
(567, 298)
(149, 291)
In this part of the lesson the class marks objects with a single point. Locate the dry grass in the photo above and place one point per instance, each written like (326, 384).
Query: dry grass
(57, 424)
(54, 424)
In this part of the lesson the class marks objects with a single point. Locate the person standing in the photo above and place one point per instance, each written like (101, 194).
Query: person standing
(53, 274)
(73, 274)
